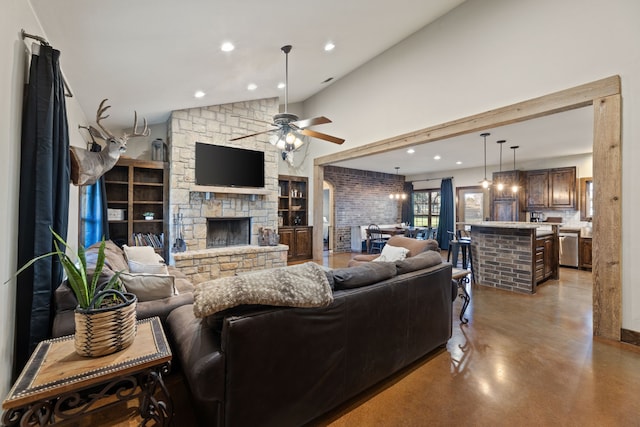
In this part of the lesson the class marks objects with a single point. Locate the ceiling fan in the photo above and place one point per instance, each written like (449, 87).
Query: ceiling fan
(288, 128)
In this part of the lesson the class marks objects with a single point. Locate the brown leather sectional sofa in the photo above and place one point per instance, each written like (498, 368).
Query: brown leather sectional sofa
(270, 366)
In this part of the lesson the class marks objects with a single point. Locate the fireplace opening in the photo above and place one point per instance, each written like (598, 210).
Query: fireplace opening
(223, 232)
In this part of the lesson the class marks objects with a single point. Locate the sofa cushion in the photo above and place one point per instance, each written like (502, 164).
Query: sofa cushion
(422, 260)
(363, 275)
(148, 287)
(144, 259)
(302, 285)
(415, 246)
(392, 253)
(114, 257)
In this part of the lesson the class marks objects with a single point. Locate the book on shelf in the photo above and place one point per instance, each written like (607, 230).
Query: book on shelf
(148, 239)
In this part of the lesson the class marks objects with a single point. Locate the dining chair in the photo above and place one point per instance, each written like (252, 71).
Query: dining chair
(376, 240)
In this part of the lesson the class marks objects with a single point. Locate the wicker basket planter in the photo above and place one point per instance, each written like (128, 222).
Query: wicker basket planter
(104, 330)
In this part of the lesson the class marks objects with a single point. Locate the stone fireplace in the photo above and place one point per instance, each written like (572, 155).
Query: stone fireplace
(220, 226)
(224, 232)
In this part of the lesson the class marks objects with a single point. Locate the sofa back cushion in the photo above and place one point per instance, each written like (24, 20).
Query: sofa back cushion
(363, 275)
(114, 257)
(422, 260)
(415, 246)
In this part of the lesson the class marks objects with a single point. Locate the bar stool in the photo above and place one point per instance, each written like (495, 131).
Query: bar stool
(461, 244)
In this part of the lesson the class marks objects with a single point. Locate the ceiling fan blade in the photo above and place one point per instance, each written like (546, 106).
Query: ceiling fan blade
(253, 134)
(314, 134)
(305, 123)
(252, 119)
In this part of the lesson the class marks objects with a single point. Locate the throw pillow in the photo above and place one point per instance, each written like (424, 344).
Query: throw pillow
(149, 287)
(138, 267)
(363, 275)
(144, 259)
(302, 285)
(392, 254)
(422, 260)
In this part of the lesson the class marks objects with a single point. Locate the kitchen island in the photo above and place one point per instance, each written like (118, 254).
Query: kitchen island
(514, 256)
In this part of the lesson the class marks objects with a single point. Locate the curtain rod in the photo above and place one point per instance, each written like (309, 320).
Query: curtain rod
(431, 179)
(67, 90)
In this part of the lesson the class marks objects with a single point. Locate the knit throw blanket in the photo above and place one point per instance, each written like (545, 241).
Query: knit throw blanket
(302, 285)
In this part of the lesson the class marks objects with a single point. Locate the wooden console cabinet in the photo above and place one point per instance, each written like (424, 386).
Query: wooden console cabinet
(299, 239)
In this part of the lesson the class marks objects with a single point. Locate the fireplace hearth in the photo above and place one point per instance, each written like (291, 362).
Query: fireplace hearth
(224, 232)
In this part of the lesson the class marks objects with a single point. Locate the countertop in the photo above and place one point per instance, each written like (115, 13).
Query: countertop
(512, 224)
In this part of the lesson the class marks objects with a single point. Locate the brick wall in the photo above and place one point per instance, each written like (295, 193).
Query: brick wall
(217, 124)
(362, 198)
(508, 263)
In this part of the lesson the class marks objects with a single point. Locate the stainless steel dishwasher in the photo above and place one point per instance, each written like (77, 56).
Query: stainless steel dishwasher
(569, 248)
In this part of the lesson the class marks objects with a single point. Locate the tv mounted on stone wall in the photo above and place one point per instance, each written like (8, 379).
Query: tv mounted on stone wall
(217, 165)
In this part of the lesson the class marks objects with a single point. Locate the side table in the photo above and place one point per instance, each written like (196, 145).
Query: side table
(57, 385)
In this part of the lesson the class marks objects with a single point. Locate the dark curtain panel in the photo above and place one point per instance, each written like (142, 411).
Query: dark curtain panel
(96, 225)
(94, 211)
(446, 213)
(407, 205)
(44, 199)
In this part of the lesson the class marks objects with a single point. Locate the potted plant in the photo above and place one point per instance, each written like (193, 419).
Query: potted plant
(105, 317)
(148, 215)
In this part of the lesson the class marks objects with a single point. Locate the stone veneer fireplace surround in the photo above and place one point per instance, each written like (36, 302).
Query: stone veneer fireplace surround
(217, 125)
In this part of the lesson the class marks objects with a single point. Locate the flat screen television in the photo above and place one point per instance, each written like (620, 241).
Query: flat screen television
(217, 165)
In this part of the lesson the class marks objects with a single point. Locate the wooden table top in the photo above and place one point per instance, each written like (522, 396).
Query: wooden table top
(55, 367)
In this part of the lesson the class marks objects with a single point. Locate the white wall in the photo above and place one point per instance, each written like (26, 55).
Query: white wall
(487, 54)
(17, 14)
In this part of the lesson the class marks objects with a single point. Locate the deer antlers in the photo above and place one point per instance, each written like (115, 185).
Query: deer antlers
(105, 134)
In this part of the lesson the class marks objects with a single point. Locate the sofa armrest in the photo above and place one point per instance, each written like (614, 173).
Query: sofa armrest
(197, 347)
(366, 258)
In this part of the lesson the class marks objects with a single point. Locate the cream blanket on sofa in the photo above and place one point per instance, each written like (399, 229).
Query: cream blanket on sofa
(302, 285)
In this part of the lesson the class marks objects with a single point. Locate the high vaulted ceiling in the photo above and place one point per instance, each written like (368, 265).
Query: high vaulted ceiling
(153, 55)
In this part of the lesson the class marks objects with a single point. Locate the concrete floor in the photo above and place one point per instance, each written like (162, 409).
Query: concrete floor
(522, 360)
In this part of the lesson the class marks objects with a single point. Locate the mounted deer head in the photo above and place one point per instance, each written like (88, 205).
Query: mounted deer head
(88, 166)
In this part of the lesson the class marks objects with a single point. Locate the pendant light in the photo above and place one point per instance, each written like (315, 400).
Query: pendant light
(485, 181)
(397, 196)
(500, 184)
(514, 187)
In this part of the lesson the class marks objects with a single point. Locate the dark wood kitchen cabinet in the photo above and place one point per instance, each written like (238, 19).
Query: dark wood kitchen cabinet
(551, 189)
(546, 258)
(585, 255)
(505, 204)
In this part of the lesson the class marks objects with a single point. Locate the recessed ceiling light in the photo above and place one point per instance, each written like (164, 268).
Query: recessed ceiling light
(227, 47)
(199, 94)
(329, 47)
(411, 151)
(252, 86)
(458, 162)
(436, 157)
(281, 85)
